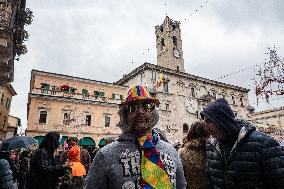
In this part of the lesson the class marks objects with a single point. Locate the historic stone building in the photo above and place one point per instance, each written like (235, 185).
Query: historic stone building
(270, 122)
(13, 124)
(87, 108)
(13, 17)
(72, 106)
(182, 95)
(6, 94)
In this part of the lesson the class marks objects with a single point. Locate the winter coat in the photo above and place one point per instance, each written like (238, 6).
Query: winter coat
(6, 178)
(193, 158)
(117, 165)
(85, 158)
(45, 170)
(24, 170)
(256, 161)
(74, 157)
(14, 168)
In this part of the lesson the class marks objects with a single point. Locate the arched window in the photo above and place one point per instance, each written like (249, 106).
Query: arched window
(223, 95)
(192, 92)
(166, 86)
(213, 93)
(241, 101)
(175, 40)
(233, 100)
(162, 43)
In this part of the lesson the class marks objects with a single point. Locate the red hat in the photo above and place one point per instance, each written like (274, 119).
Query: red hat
(138, 93)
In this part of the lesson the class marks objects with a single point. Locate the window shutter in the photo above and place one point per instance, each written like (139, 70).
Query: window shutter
(84, 92)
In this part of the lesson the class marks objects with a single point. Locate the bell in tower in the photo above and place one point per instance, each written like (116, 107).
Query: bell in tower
(169, 45)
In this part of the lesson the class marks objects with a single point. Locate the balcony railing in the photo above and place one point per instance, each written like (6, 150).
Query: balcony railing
(70, 95)
(70, 130)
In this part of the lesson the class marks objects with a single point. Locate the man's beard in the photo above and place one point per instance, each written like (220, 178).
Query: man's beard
(140, 126)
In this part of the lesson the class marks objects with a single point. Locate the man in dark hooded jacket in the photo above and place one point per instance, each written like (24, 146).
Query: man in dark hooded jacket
(238, 156)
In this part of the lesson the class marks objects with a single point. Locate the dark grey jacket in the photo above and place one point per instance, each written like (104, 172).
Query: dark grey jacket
(6, 178)
(255, 162)
(117, 165)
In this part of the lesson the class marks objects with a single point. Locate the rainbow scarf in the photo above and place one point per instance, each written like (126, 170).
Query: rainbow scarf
(153, 171)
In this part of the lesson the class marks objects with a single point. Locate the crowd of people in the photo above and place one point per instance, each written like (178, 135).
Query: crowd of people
(218, 152)
(45, 166)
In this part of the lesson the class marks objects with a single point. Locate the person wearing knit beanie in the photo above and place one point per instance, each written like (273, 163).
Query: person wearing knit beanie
(221, 120)
(239, 156)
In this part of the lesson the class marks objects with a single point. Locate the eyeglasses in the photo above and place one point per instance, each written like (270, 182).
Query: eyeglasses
(147, 107)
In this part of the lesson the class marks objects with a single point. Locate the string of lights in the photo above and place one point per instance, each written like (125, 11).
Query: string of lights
(237, 72)
(203, 4)
(134, 63)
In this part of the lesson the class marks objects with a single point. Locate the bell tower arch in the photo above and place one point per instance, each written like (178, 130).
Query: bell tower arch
(169, 45)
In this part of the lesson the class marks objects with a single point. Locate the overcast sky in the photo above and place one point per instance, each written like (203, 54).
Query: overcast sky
(99, 39)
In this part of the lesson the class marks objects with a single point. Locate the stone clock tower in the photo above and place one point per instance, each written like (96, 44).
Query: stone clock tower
(169, 45)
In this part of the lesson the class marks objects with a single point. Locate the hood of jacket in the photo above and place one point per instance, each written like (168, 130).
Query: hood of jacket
(74, 154)
(220, 113)
(246, 129)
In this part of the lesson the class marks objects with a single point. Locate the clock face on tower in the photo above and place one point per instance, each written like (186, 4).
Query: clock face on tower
(191, 105)
(176, 53)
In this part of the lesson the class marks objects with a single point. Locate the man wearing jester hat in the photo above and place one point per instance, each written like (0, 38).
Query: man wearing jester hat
(138, 159)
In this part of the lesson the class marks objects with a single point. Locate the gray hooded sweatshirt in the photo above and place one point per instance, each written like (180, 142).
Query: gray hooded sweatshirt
(117, 165)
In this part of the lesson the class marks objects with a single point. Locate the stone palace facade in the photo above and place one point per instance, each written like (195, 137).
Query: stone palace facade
(88, 108)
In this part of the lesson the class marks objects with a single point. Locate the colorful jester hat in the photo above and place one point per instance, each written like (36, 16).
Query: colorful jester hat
(139, 93)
